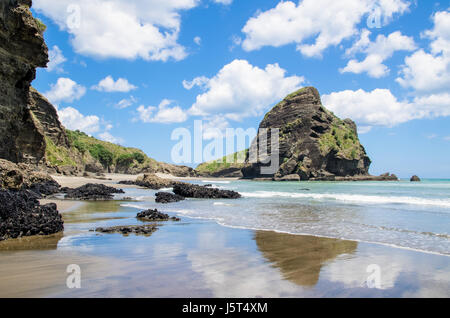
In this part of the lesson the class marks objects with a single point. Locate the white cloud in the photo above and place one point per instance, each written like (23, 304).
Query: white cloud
(146, 29)
(240, 90)
(72, 119)
(162, 114)
(201, 81)
(126, 102)
(106, 136)
(225, 2)
(447, 138)
(65, 90)
(327, 22)
(198, 40)
(109, 85)
(56, 58)
(430, 72)
(381, 108)
(376, 53)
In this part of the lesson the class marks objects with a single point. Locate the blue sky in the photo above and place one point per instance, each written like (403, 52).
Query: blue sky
(133, 71)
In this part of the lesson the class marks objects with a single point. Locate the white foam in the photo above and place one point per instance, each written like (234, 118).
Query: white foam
(222, 182)
(356, 198)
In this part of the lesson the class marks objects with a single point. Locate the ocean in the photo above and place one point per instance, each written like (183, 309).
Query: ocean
(399, 214)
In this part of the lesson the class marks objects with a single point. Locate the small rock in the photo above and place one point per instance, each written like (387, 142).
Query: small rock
(166, 197)
(147, 229)
(415, 179)
(91, 191)
(155, 216)
(188, 190)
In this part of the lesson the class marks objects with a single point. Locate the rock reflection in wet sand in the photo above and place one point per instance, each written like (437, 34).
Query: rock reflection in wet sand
(300, 258)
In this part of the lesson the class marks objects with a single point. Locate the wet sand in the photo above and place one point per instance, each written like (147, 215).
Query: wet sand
(198, 258)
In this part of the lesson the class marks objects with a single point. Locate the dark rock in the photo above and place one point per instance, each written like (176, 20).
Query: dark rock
(22, 215)
(166, 197)
(415, 179)
(91, 191)
(313, 143)
(188, 190)
(151, 181)
(22, 50)
(147, 229)
(291, 177)
(155, 216)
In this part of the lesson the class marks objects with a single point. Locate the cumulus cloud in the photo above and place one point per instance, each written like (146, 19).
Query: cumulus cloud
(430, 72)
(241, 90)
(381, 108)
(56, 58)
(376, 53)
(162, 114)
(146, 29)
(65, 90)
(109, 85)
(72, 119)
(326, 22)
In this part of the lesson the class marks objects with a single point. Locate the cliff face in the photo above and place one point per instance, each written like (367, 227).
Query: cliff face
(314, 143)
(47, 116)
(22, 49)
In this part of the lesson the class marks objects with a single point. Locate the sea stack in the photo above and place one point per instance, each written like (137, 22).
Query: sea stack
(313, 143)
(415, 179)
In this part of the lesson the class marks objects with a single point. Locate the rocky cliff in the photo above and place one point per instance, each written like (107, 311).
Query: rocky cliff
(313, 142)
(22, 50)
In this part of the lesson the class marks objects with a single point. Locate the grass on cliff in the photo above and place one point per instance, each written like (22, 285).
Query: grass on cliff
(230, 161)
(58, 156)
(341, 139)
(41, 26)
(107, 153)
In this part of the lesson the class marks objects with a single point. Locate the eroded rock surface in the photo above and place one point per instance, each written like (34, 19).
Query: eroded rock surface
(155, 216)
(22, 50)
(22, 215)
(91, 191)
(188, 190)
(166, 197)
(313, 142)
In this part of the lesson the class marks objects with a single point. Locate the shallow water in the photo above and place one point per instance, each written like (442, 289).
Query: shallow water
(198, 257)
(401, 214)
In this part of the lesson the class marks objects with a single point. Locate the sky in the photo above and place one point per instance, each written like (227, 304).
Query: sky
(132, 72)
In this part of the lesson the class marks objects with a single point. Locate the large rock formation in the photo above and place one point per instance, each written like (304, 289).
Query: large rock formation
(22, 49)
(47, 116)
(313, 142)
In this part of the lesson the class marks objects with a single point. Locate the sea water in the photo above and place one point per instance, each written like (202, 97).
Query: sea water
(400, 214)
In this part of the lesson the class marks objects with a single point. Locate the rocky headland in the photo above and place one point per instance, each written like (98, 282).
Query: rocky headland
(314, 144)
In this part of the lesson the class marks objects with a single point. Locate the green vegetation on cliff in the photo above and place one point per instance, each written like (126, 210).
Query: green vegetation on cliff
(107, 153)
(341, 139)
(235, 160)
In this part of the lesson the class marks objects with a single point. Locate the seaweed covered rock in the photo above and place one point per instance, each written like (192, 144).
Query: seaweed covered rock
(22, 215)
(155, 216)
(147, 229)
(188, 190)
(91, 191)
(166, 197)
(151, 181)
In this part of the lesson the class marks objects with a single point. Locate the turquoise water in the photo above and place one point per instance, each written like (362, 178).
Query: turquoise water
(400, 214)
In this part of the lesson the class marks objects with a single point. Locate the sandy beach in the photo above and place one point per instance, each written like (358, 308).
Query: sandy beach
(201, 258)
